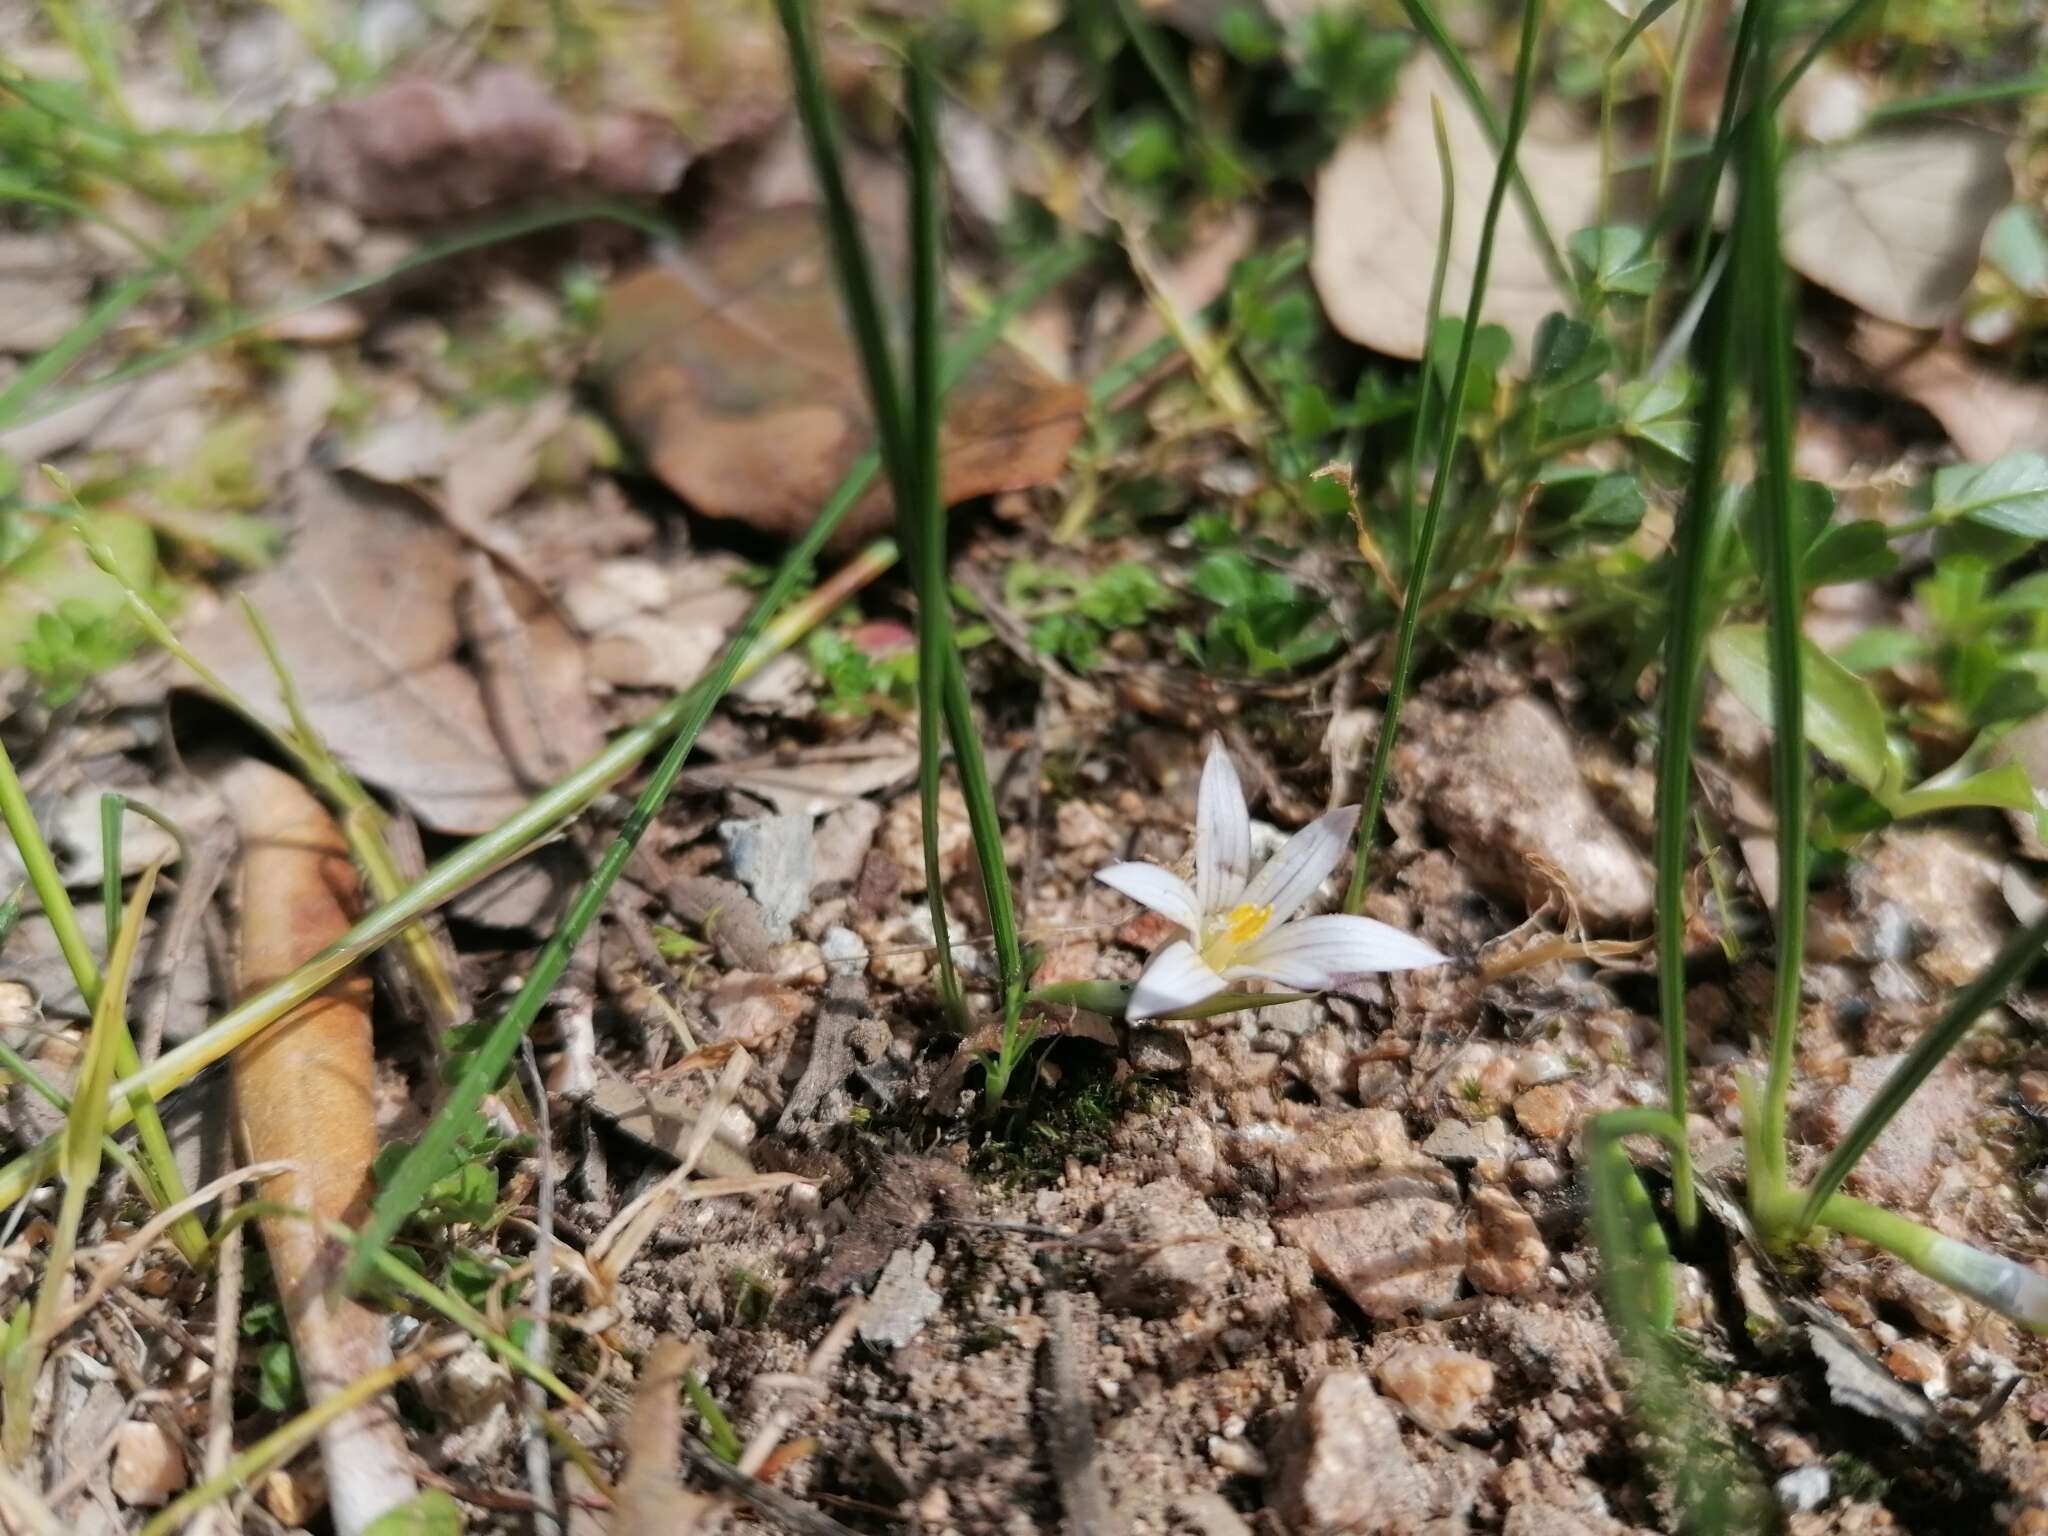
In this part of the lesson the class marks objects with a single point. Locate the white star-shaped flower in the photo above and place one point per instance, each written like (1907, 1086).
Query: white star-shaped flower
(1242, 925)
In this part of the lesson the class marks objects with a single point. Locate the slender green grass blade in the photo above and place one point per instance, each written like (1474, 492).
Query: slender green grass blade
(1426, 21)
(1447, 438)
(1758, 282)
(111, 807)
(23, 402)
(1376, 787)
(922, 524)
(2020, 954)
(51, 364)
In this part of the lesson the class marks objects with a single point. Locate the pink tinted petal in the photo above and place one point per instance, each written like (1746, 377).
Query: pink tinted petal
(1318, 952)
(1223, 833)
(1151, 886)
(1176, 978)
(1303, 863)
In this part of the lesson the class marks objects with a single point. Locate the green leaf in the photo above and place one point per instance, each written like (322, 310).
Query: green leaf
(1490, 348)
(432, 1513)
(2009, 494)
(1567, 352)
(2017, 245)
(1655, 413)
(2004, 788)
(1844, 721)
(1226, 579)
(1577, 499)
(1858, 551)
(1880, 647)
(1616, 259)
(277, 1377)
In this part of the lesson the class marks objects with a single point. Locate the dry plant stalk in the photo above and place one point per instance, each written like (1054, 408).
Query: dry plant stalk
(303, 1095)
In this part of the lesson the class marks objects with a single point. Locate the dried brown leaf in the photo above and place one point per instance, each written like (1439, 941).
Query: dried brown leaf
(1986, 414)
(1894, 222)
(651, 1501)
(365, 612)
(733, 369)
(421, 149)
(1379, 200)
(304, 1096)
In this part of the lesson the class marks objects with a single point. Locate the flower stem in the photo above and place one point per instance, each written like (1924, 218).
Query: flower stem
(1418, 563)
(1447, 438)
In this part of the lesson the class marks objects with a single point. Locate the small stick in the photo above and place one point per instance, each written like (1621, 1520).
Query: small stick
(791, 1513)
(1070, 1429)
(539, 1471)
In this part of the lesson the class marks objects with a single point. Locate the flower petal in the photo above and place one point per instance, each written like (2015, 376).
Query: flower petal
(1303, 863)
(1176, 978)
(1318, 952)
(1223, 833)
(1150, 886)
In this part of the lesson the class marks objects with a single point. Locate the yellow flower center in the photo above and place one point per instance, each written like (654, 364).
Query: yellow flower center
(1233, 932)
(1245, 923)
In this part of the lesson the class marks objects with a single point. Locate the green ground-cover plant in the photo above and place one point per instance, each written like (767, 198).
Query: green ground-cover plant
(1811, 702)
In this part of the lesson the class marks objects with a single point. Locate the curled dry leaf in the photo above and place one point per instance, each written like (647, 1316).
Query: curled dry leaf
(425, 149)
(1986, 414)
(1379, 200)
(651, 1500)
(733, 369)
(1894, 222)
(365, 611)
(303, 1096)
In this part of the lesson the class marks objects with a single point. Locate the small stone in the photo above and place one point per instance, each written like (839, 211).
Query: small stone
(1391, 1257)
(1381, 1083)
(1508, 796)
(1342, 1466)
(1439, 1387)
(1296, 1018)
(1349, 1157)
(1948, 883)
(1459, 1143)
(902, 1301)
(902, 838)
(1179, 1260)
(799, 963)
(1848, 1303)
(1236, 1457)
(841, 845)
(772, 856)
(1805, 1489)
(17, 1007)
(148, 1469)
(1080, 827)
(1549, 1112)
(1157, 1051)
(1542, 1065)
(1902, 1165)
(1535, 1173)
(294, 1495)
(751, 1008)
(1933, 1306)
(842, 949)
(1910, 1360)
(1507, 1253)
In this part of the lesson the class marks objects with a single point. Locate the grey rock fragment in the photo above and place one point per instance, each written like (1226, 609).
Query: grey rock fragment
(773, 857)
(903, 1301)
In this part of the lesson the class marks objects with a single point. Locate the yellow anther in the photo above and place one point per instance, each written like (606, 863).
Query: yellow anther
(1246, 923)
